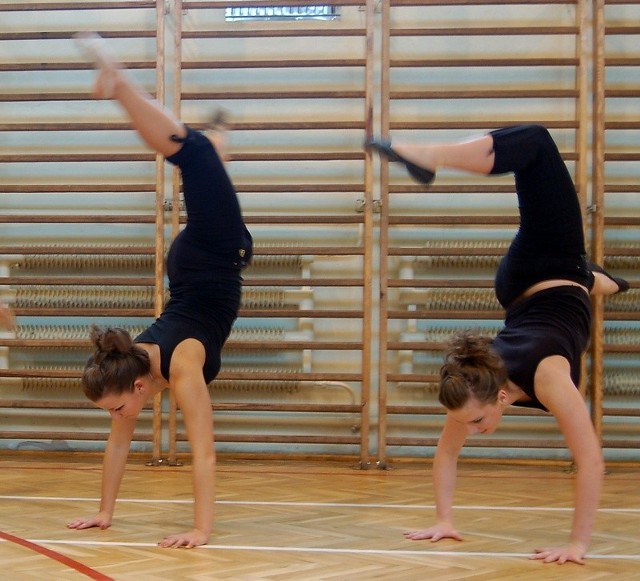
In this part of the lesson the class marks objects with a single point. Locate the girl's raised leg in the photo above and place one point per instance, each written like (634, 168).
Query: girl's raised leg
(474, 155)
(155, 124)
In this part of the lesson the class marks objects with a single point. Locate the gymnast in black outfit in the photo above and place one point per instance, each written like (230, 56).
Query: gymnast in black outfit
(181, 349)
(543, 282)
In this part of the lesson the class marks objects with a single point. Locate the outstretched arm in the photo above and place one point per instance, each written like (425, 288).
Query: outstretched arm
(445, 467)
(557, 392)
(192, 396)
(113, 465)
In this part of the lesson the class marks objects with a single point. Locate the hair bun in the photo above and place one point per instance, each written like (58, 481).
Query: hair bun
(467, 348)
(111, 340)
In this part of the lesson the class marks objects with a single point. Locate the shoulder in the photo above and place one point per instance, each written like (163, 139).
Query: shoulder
(188, 357)
(553, 384)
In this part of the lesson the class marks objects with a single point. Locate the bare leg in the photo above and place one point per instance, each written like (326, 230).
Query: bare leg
(152, 121)
(475, 155)
(603, 285)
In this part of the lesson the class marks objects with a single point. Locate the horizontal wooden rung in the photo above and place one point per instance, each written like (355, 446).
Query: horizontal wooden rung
(110, 5)
(235, 375)
(623, 156)
(256, 438)
(620, 348)
(146, 313)
(449, 189)
(481, 124)
(40, 96)
(79, 280)
(289, 376)
(315, 96)
(297, 313)
(485, 62)
(619, 251)
(302, 219)
(413, 377)
(75, 157)
(77, 219)
(76, 188)
(48, 404)
(223, 4)
(71, 436)
(471, 251)
(621, 93)
(273, 32)
(440, 410)
(149, 219)
(61, 66)
(298, 188)
(306, 282)
(292, 63)
(408, 345)
(622, 124)
(622, 61)
(439, 283)
(455, 220)
(491, 31)
(612, 315)
(282, 407)
(483, 442)
(622, 221)
(531, 93)
(70, 126)
(81, 312)
(497, 314)
(621, 412)
(309, 251)
(624, 29)
(28, 250)
(270, 345)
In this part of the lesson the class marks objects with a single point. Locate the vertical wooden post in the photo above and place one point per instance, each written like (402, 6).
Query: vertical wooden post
(583, 54)
(159, 225)
(175, 196)
(597, 248)
(384, 240)
(367, 284)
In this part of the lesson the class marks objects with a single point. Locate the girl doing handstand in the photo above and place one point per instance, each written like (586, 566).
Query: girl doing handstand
(180, 351)
(543, 282)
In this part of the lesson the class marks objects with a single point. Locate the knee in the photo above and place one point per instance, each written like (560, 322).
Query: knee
(539, 132)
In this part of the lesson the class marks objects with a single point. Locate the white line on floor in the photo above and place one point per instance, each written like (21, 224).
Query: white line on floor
(316, 504)
(381, 552)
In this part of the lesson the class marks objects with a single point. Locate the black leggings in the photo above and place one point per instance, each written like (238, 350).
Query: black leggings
(215, 242)
(549, 243)
(204, 261)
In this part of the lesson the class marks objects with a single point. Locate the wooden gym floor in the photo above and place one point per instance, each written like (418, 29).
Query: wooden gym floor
(308, 520)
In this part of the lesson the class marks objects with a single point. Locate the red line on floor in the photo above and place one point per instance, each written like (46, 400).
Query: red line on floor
(73, 564)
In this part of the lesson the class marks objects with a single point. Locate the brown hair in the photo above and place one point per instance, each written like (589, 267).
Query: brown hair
(116, 363)
(471, 369)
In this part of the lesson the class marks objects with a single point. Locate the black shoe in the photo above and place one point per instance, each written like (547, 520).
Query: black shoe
(383, 147)
(623, 285)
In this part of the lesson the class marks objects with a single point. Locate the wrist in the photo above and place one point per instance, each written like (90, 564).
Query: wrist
(582, 545)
